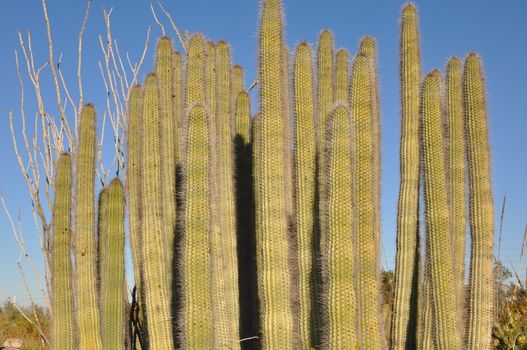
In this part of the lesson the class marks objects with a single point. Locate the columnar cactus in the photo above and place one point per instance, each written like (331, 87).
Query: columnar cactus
(196, 309)
(225, 181)
(195, 80)
(456, 176)
(370, 324)
(341, 77)
(305, 172)
(164, 72)
(272, 257)
(133, 183)
(154, 252)
(481, 290)
(438, 235)
(407, 254)
(88, 319)
(178, 105)
(111, 266)
(237, 82)
(63, 327)
(339, 255)
(286, 114)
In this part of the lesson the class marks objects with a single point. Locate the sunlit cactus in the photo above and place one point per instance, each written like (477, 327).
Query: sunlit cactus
(63, 336)
(481, 282)
(407, 253)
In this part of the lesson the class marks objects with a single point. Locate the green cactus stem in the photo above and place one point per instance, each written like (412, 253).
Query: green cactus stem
(111, 259)
(164, 72)
(305, 152)
(196, 309)
(407, 253)
(438, 235)
(363, 191)
(341, 77)
(456, 176)
(154, 252)
(272, 258)
(88, 318)
(339, 256)
(481, 282)
(63, 326)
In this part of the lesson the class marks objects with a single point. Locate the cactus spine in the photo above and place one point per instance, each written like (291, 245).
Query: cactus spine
(481, 291)
(407, 257)
(88, 318)
(156, 283)
(339, 255)
(438, 238)
(305, 172)
(196, 313)
(274, 279)
(164, 72)
(63, 329)
(368, 264)
(111, 258)
(456, 176)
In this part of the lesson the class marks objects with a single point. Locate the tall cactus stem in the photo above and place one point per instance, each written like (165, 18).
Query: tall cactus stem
(112, 263)
(63, 326)
(456, 176)
(305, 152)
(370, 326)
(164, 72)
(195, 75)
(133, 187)
(274, 278)
(178, 105)
(341, 76)
(225, 165)
(481, 291)
(339, 257)
(196, 311)
(156, 276)
(88, 317)
(407, 241)
(437, 215)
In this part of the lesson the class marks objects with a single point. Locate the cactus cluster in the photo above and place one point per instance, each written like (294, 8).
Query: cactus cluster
(264, 232)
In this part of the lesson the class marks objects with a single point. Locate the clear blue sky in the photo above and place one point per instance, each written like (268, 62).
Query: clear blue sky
(497, 32)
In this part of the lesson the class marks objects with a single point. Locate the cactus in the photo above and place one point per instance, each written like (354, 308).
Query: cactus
(133, 183)
(323, 108)
(339, 255)
(237, 82)
(195, 80)
(368, 47)
(196, 311)
(481, 282)
(88, 318)
(154, 252)
(63, 328)
(111, 258)
(407, 254)
(286, 114)
(341, 77)
(438, 235)
(274, 279)
(164, 72)
(305, 171)
(225, 167)
(178, 105)
(363, 193)
(456, 172)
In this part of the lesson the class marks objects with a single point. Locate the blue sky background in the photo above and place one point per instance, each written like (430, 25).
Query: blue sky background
(497, 32)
